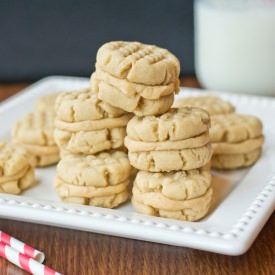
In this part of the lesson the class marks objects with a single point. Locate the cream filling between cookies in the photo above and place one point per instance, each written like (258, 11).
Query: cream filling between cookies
(238, 148)
(40, 150)
(158, 200)
(91, 125)
(130, 88)
(67, 190)
(142, 146)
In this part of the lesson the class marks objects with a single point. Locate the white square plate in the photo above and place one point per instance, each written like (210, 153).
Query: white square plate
(243, 200)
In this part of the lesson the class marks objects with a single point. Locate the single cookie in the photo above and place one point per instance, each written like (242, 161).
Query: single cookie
(90, 142)
(139, 63)
(131, 89)
(233, 161)
(109, 201)
(130, 103)
(176, 124)
(101, 170)
(145, 146)
(180, 185)
(171, 160)
(84, 105)
(234, 128)
(212, 104)
(155, 204)
(45, 103)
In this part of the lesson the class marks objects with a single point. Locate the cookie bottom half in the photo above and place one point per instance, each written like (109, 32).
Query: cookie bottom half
(233, 161)
(109, 201)
(185, 213)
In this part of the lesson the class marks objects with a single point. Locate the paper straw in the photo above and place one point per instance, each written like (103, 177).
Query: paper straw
(24, 262)
(21, 247)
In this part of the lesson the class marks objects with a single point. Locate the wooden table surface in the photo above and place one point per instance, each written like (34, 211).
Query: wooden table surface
(75, 252)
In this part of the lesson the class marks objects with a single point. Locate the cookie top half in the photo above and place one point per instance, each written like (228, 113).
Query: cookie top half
(83, 105)
(46, 102)
(234, 128)
(35, 128)
(176, 124)
(103, 169)
(139, 63)
(212, 104)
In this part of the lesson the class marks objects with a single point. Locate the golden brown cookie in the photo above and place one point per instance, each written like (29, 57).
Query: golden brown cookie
(179, 185)
(214, 105)
(16, 171)
(35, 128)
(234, 161)
(138, 63)
(145, 146)
(90, 142)
(99, 180)
(155, 204)
(101, 170)
(234, 128)
(35, 133)
(243, 147)
(176, 124)
(171, 160)
(236, 139)
(130, 103)
(109, 201)
(46, 103)
(84, 105)
(93, 125)
(133, 89)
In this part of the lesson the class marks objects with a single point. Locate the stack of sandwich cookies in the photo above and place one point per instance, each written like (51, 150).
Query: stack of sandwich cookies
(176, 140)
(236, 139)
(98, 180)
(136, 77)
(16, 171)
(172, 152)
(212, 104)
(86, 125)
(35, 133)
(93, 169)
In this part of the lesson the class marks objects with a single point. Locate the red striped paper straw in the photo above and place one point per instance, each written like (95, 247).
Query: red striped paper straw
(21, 247)
(24, 262)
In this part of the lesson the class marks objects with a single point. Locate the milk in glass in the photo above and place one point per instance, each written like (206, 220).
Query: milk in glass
(235, 45)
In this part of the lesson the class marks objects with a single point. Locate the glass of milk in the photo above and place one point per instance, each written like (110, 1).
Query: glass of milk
(235, 45)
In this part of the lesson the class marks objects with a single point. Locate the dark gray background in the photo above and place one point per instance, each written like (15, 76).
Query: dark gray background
(41, 38)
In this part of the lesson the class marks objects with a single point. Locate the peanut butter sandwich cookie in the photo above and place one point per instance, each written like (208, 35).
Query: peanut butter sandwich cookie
(88, 125)
(236, 139)
(98, 180)
(212, 104)
(35, 132)
(176, 140)
(183, 195)
(136, 77)
(16, 171)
